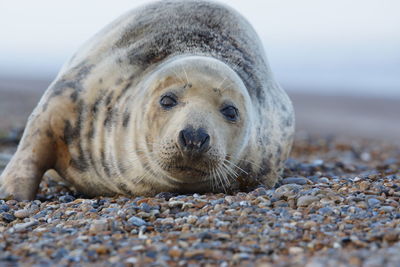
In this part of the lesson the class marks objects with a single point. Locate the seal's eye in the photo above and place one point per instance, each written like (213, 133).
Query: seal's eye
(168, 101)
(230, 113)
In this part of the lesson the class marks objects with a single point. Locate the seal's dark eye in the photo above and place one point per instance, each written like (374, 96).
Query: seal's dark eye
(168, 101)
(230, 113)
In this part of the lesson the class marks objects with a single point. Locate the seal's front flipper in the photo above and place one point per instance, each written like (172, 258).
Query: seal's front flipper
(35, 154)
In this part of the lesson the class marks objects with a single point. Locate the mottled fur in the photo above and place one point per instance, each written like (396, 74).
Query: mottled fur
(99, 124)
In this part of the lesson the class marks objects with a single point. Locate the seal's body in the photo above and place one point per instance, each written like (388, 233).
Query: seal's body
(174, 96)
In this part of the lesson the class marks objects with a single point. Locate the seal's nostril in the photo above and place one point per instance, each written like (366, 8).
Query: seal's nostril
(182, 139)
(204, 139)
(192, 140)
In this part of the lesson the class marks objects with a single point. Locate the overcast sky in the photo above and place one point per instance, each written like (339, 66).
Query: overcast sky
(311, 44)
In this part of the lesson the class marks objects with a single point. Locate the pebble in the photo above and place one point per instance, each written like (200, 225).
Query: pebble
(324, 180)
(309, 224)
(287, 190)
(167, 221)
(230, 199)
(364, 185)
(192, 219)
(173, 204)
(372, 202)
(66, 199)
(21, 213)
(136, 221)
(391, 236)
(7, 217)
(387, 208)
(98, 226)
(343, 211)
(4, 208)
(240, 256)
(296, 250)
(295, 180)
(326, 211)
(19, 227)
(131, 260)
(305, 201)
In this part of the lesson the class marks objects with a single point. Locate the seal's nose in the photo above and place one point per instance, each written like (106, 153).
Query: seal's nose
(193, 141)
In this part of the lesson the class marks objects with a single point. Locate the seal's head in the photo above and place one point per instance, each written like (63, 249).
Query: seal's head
(198, 122)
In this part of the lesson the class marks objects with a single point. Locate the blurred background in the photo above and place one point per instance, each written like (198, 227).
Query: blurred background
(338, 60)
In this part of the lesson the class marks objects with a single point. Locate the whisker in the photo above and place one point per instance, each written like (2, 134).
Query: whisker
(178, 77)
(223, 180)
(234, 67)
(220, 179)
(236, 166)
(229, 171)
(187, 79)
(251, 162)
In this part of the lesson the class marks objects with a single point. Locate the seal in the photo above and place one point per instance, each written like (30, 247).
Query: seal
(174, 96)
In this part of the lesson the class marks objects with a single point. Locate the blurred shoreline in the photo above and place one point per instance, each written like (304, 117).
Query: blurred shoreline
(316, 113)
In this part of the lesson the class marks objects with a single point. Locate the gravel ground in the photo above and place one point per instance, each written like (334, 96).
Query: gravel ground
(338, 205)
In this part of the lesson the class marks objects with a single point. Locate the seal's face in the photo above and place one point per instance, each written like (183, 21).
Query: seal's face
(198, 121)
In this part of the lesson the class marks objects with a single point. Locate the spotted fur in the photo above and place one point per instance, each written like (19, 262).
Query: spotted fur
(100, 127)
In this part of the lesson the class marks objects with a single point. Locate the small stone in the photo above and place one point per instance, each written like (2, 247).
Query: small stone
(324, 180)
(66, 199)
(58, 254)
(387, 208)
(305, 201)
(287, 190)
(136, 221)
(165, 195)
(309, 224)
(244, 203)
(19, 227)
(365, 156)
(391, 236)
(372, 202)
(193, 253)
(364, 185)
(145, 207)
(230, 199)
(98, 226)
(295, 180)
(70, 212)
(263, 202)
(296, 250)
(354, 261)
(191, 219)
(175, 253)
(326, 211)
(131, 261)
(222, 236)
(261, 191)
(101, 249)
(318, 162)
(168, 220)
(11, 202)
(4, 208)
(173, 204)
(281, 203)
(337, 245)
(240, 256)
(138, 248)
(7, 217)
(21, 213)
